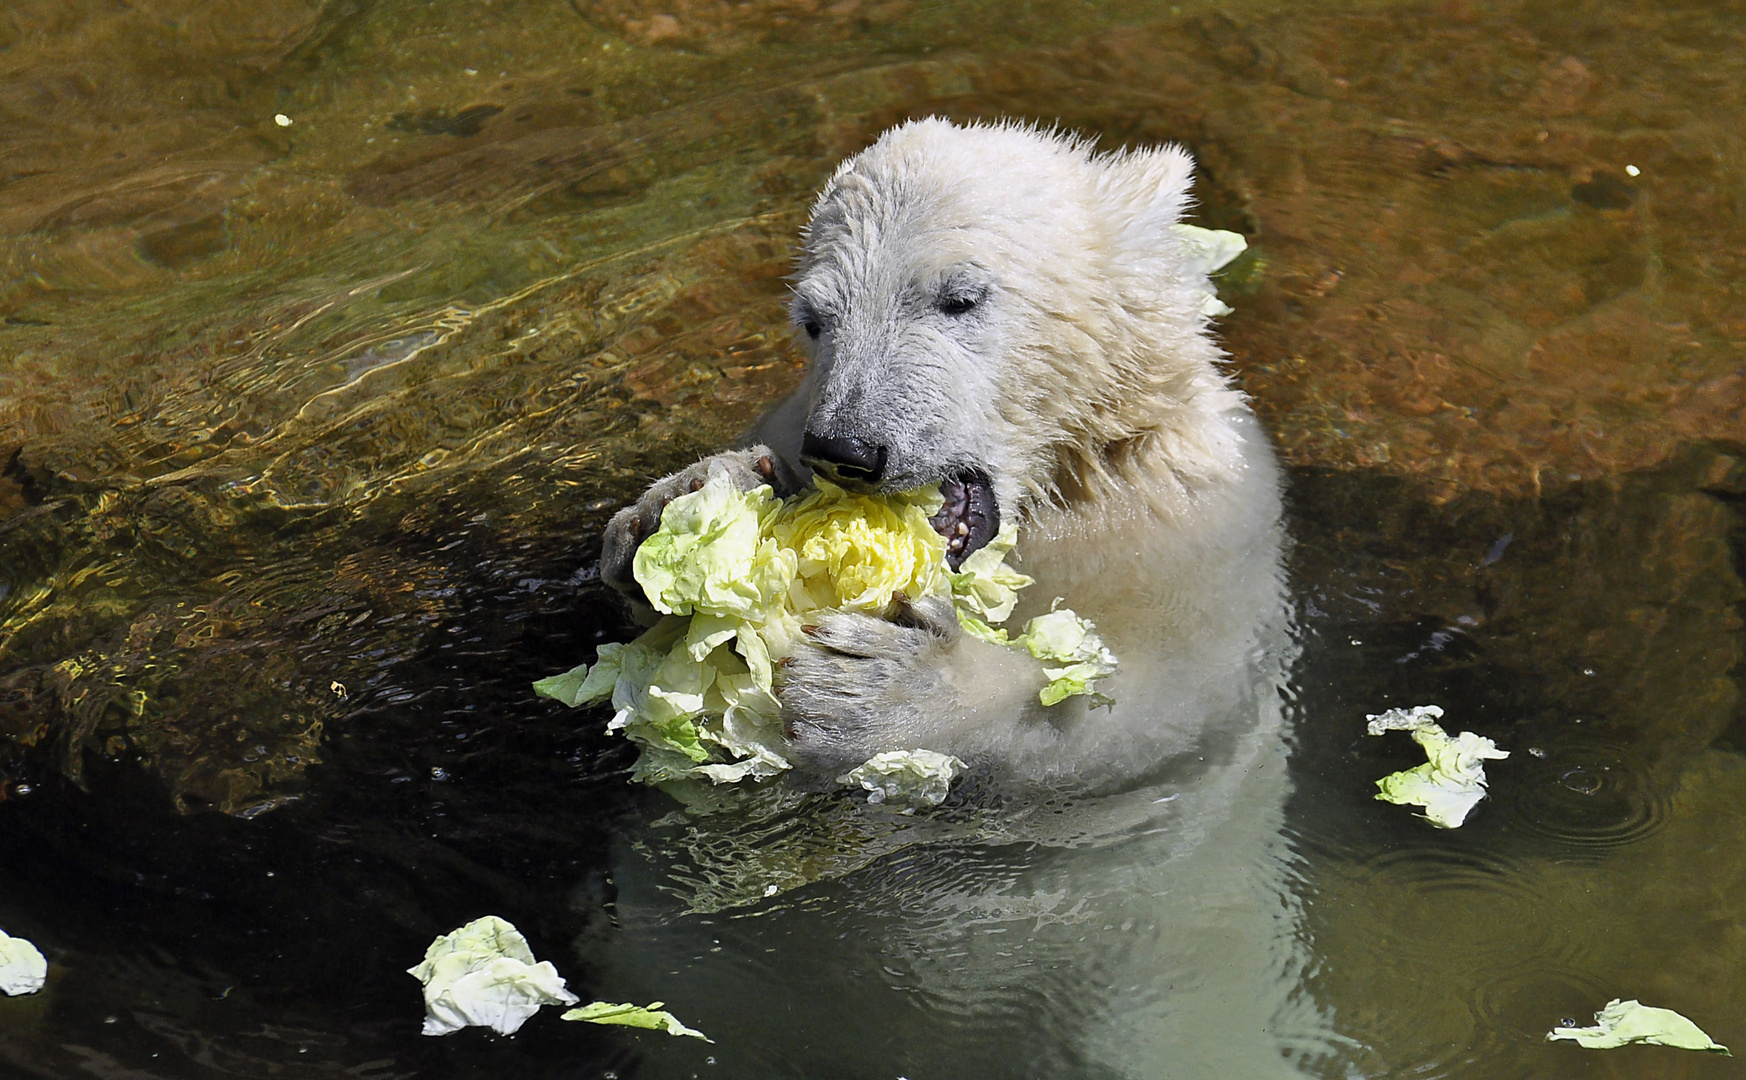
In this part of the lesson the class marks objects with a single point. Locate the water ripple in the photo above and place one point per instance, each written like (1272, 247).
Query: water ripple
(1590, 798)
(1434, 897)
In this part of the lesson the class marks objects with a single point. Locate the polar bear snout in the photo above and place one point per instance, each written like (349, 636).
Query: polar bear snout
(843, 459)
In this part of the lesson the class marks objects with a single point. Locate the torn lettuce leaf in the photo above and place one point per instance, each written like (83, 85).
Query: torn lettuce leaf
(1452, 782)
(905, 780)
(1209, 251)
(710, 555)
(22, 967)
(1624, 1022)
(994, 635)
(984, 588)
(1073, 656)
(653, 1018)
(738, 574)
(484, 975)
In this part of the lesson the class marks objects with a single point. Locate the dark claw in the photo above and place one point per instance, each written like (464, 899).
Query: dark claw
(697, 484)
(766, 468)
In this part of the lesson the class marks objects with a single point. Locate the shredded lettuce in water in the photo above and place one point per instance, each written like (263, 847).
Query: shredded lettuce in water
(22, 967)
(653, 1018)
(905, 780)
(1624, 1022)
(1452, 782)
(484, 975)
(736, 574)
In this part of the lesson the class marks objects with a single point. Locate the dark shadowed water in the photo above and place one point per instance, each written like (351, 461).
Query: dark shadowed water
(308, 429)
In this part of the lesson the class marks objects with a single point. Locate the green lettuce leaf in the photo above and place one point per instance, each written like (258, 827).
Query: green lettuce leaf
(994, 635)
(485, 975)
(1074, 657)
(1624, 1022)
(709, 555)
(653, 1018)
(1452, 782)
(984, 587)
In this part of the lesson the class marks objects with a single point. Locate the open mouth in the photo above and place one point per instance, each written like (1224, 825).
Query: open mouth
(968, 519)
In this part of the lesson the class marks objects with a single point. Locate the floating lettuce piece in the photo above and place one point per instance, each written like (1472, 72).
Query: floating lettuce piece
(1209, 251)
(1073, 656)
(654, 1018)
(22, 967)
(1625, 1022)
(1452, 782)
(905, 780)
(484, 975)
(855, 552)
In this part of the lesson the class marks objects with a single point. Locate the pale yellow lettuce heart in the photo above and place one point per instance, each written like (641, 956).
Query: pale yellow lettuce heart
(855, 552)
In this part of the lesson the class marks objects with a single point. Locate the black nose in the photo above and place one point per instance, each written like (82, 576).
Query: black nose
(843, 458)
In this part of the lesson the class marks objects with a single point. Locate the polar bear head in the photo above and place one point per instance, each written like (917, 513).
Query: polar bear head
(999, 310)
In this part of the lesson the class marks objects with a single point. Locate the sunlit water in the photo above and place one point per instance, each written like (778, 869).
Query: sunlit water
(308, 431)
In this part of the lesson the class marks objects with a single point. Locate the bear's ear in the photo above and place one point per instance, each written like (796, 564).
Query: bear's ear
(1148, 190)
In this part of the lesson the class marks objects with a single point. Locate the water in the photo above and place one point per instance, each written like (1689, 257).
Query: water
(308, 432)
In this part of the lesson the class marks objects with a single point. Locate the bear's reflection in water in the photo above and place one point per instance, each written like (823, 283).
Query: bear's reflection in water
(1145, 931)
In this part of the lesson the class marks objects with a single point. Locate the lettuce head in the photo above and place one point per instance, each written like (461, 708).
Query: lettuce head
(855, 552)
(738, 573)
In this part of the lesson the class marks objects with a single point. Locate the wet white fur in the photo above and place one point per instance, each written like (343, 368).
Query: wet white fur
(1085, 384)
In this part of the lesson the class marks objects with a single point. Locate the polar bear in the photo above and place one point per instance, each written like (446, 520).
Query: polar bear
(1001, 312)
